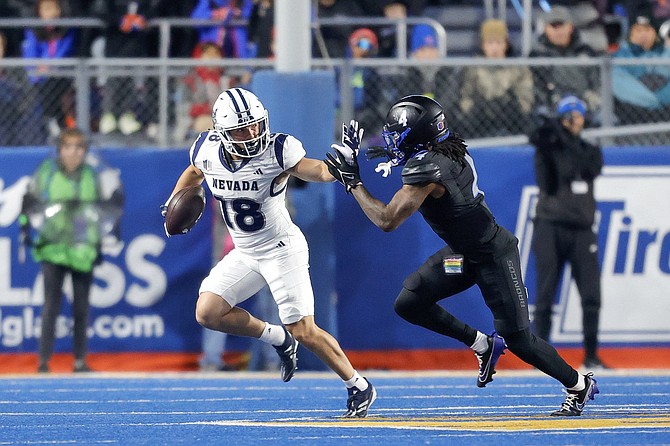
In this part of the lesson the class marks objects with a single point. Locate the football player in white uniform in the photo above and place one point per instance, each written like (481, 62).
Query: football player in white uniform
(247, 168)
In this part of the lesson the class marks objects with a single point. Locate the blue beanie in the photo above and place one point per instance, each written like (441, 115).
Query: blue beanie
(569, 104)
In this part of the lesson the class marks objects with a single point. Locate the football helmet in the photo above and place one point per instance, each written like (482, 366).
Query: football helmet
(234, 110)
(412, 124)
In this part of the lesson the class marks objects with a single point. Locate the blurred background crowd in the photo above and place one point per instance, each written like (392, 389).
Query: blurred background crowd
(145, 72)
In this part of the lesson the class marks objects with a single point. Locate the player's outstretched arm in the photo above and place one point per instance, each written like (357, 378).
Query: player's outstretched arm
(404, 203)
(309, 169)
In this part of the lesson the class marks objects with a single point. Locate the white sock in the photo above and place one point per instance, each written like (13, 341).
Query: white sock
(273, 334)
(481, 343)
(581, 384)
(356, 381)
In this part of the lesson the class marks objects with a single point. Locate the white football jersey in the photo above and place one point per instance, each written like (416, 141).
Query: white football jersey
(252, 203)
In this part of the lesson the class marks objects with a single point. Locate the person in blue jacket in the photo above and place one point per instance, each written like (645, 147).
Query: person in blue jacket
(232, 40)
(642, 92)
(51, 42)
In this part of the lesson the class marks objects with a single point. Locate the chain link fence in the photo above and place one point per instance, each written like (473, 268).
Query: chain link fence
(166, 102)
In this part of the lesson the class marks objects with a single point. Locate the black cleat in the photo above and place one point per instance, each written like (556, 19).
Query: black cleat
(288, 353)
(489, 359)
(576, 401)
(359, 401)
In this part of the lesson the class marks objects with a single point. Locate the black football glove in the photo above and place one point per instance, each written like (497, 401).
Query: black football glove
(346, 173)
(378, 152)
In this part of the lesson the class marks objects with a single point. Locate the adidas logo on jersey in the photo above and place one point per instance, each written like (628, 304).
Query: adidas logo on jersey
(280, 245)
(258, 172)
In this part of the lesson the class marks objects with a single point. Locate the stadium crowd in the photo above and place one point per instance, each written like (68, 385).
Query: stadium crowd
(487, 100)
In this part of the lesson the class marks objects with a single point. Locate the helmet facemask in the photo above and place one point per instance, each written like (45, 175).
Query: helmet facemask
(246, 148)
(237, 109)
(395, 147)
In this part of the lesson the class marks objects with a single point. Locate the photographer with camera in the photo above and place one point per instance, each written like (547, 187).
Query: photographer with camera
(565, 169)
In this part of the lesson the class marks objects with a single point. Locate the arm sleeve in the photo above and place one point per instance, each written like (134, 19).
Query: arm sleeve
(593, 162)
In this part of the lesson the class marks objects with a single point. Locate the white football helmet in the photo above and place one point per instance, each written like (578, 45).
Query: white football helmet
(236, 109)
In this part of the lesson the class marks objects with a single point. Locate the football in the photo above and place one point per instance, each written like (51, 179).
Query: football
(184, 210)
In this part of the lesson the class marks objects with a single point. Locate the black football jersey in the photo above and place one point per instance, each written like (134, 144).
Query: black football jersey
(460, 217)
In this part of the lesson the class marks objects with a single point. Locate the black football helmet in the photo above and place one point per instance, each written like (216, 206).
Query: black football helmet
(412, 124)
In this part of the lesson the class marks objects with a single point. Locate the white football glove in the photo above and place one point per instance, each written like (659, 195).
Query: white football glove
(351, 141)
(384, 168)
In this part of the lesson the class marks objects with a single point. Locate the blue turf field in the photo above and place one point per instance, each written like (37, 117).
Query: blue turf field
(258, 409)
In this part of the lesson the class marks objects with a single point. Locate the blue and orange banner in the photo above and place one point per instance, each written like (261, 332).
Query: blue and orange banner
(145, 290)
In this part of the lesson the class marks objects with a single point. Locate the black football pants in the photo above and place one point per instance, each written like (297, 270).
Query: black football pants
(54, 275)
(501, 284)
(555, 246)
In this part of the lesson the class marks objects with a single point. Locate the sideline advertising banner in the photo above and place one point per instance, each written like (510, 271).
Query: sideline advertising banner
(144, 291)
(144, 294)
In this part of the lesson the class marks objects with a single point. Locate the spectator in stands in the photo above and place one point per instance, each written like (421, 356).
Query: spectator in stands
(199, 90)
(51, 42)
(664, 33)
(396, 10)
(495, 100)
(232, 40)
(183, 39)
(561, 39)
(331, 41)
(13, 36)
(423, 43)
(20, 114)
(261, 28)
(363, 44)
(429, 80)
(128, 100)
(642, 92)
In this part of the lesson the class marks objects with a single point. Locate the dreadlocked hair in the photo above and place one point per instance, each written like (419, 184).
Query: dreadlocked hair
(454, 147)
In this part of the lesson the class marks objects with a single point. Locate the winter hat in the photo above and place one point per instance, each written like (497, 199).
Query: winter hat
(568, 104)
(365, 38)
(644, 19)
(558, 14)
(422, 35)
(493, 29)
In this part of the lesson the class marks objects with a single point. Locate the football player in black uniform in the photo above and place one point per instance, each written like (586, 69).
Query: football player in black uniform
(440, 181)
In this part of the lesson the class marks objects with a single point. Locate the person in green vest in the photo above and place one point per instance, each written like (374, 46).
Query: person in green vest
(63, 204)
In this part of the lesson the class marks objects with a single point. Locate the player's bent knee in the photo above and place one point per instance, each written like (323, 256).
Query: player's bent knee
(305, 331)
(209, 309)
(407, 304)
(519, 342)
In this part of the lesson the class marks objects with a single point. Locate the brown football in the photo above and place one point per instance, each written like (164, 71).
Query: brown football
(184, 210)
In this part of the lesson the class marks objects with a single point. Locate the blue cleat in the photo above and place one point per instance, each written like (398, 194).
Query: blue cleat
(576, 401)
(489, 359)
